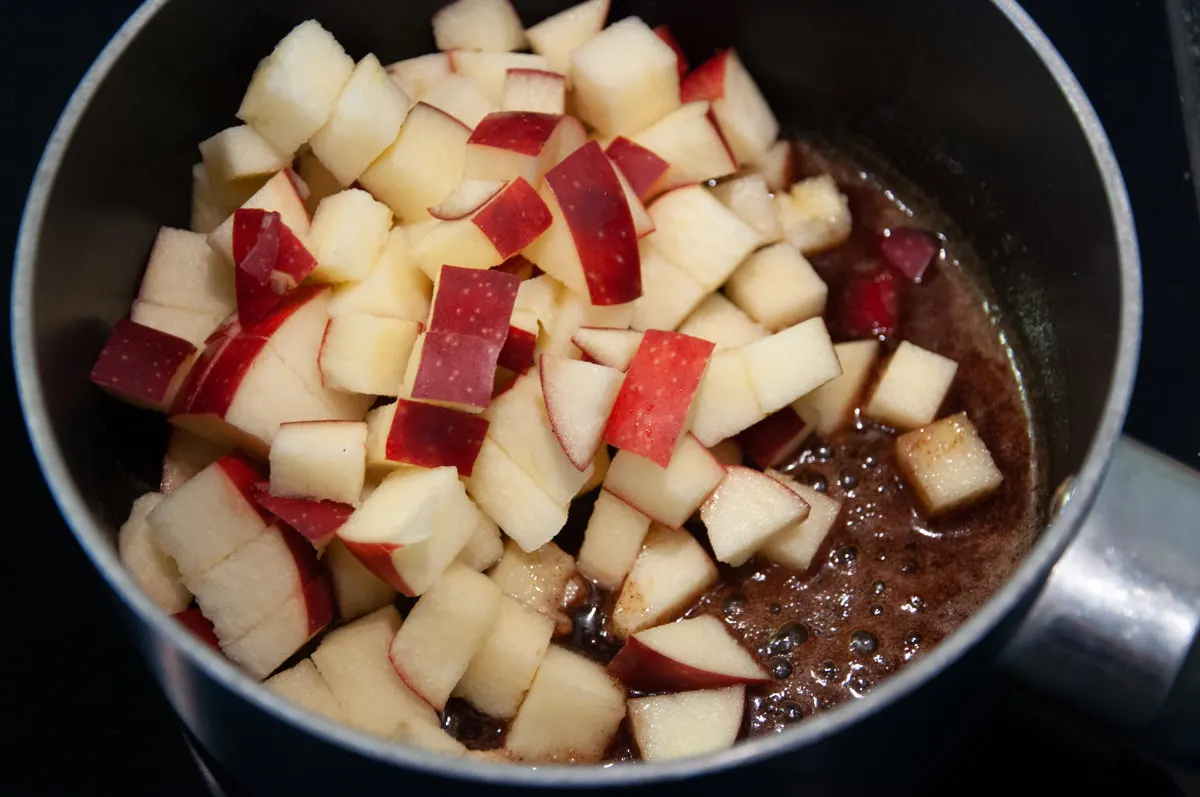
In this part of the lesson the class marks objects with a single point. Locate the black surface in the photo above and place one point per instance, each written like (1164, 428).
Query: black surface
(78, 692)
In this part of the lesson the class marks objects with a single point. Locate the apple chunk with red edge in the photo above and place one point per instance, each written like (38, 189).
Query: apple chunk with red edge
(511, 497)
(453, 370)
(503, 668)
(775, 437)
(316, 521)
(591, 247)
(442, 633)
(698, 653)
(612, 540)
(194, 621)
(429, 436)
(745, 511)
(690, 140)
(687, 724)
(471, 302)
(745, 117)
(671, 571)
(286, 630)
(510, 144)
(322, 460)
(799, 542)
(645, 171)
(668, 495)
(357, 590)
(652, 406)
(579, 398)
(142, 366)
(535, 90)
(280, 195)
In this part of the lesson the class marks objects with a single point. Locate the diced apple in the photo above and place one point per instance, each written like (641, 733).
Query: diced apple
(504, 666)
(316, 521)
(422, 165)
(537, 579)
(690, 140)
(428, 436)
(625, 78)
(358, 591)
(187, 454)
(411, 527)
(645, 171)
(799, 542)
(776, 437)
(778, 287)
(320, 461)
(833, 403)
(870, 305)
(354, 662)
(540, 297)
(485, 546)
(579, 397)
(671, 571)
(443, 631)
(719, 320)
(745, 511)
(349, 232)
(558, 36)
(791, 363)
(909, 250)
(320, 181)
(270, 262)
(948, 464)
(294, 89)
(699, 235)
(511, 144)
(750, 198)
(698, 653)
(668, 495)
(453, 370)
(240, 152)
(213, 201)
(571, 713)
(520, 344)
(488, 25)
(274, 640)
(652, 406)
(510, 497)
(725, 403)
(814, 214)
(664, 32)
(198, 625)
(913, 386)
(366, 354)
(746, 118)
(461, 98)
(304, 686)
(190, 325)
(489, 71)
(395, 287)
(473, 302)
(535, 90)
(614, 536)
(278, 195)
(599, 469)
(185, 272)
(415, 75)
(366, 118)
(142, 365)
(775, 165)
(612, 347)
(728, 452)
(668, 294)
(643, 225)
(153, 571)
(687, 724)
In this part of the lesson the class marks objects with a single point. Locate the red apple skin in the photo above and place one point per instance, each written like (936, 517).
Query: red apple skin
(645, 171)
(469, 382)
(505, 379)
(195, 621)
(712, 120)
(519, 266)
(139, 364)
(514, 218)
(871, 304)
(770, 440)
(270, 324)
(256, 242)
(242, 474)
(318, 600)
(316, 521)
(431, 436)
(199, 371)
(412, 687)
(663, 32)
(601, 224)
(652, 404)
(909, 250)
(271, 262)
(641, 667)
(377, 557)
(525, 132)
(517, 354)
(474, 302)
(707, 81)
(216, 393)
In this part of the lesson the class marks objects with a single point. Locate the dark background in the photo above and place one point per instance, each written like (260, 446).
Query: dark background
(82, 712)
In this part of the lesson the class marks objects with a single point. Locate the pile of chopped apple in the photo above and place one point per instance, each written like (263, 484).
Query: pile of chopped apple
(404, 391)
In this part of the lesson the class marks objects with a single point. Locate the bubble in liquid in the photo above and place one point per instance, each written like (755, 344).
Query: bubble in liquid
(848, 481)
(879, 587)
(824, 452)
(869, 462)
(775, 608)
(789, 636)
(875, 610)
(863, 643)
(780, 668)
(844, 557)
(818, 483)
(912, 640)
(829, 671)
(791, 711)
(734, 605)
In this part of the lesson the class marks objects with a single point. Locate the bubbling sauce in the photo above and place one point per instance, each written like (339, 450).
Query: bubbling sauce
(888, 582)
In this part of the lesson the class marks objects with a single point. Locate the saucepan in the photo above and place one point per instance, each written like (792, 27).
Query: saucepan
(965, 98)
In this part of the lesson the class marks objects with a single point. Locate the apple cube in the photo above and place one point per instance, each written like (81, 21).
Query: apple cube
(485, 546)
(538, 579)
(316, 521)
(671, 571)
(422, 165)
(612, 541)
(324, 460)
(187, 454)
(571, 311)
(443, 631)
(667, 495)
(579, 397)
(721, 321)
(558, 36)
(489, 71)
(625, 78)
(664, 32)
(690, 140)
(429, 436)
(725, 403)
(591, 246)
(948, 464)
(198, 625)
(652, 406)
(294, 90)
(304, 686)
(154, 572)
(520, 344)
(357, 590)
(504, 666)
(415, 75)
(775, 165)
(612, 347)
(778, 287)
(535, 90)
(366, 354)
(411, 527)
(799, 542)
(571, 713)
(277, 195)
(791, 363)
(452, 369)
(909, 250)
(833, 403)
(461, 98)
(745, 116)
(746, 510)
(510, 497)
(913, 386)
(184, 272)
(288, 628)
(645, 170)
(814, 214)
(394, 288)
(698, 653)
(488, 25)
(727, 452)
(366, 119)
(776, 437)
(473, 302)
(349, 232)
(353, 660)
(699, 235)
(270, 262)
(512, 144)
(190, 325)
(687, 724)
(213, 201)
(643, 225)
(750, 198)
(142, 366)
(240, 152)
(668, 293)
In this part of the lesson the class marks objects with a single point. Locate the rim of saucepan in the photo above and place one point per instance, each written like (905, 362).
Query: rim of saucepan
(97, 543)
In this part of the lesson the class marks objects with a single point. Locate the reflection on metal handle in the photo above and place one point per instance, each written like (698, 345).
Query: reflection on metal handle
(1112, 629)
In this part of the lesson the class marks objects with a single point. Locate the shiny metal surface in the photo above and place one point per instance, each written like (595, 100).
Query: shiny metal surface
(1119, 614)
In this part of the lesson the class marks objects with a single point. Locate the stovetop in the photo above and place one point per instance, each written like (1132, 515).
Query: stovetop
(84, 710)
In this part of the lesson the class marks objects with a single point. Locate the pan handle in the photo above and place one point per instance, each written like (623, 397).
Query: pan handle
(1114, 632)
